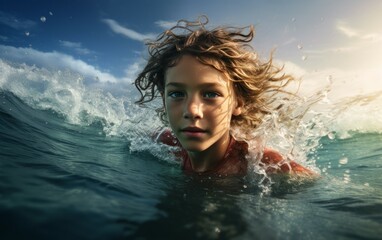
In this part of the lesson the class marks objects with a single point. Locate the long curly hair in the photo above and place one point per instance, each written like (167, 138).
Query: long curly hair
(226, 49)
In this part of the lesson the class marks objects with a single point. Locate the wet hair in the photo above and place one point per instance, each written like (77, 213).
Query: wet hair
(227, 50)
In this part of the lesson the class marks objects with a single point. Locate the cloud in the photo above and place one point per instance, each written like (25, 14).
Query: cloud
(373, 37)
(288, 42)
(3, 38)
(76, 46)
(360, 40)
(132, 71)
(349, 48)
(54, 60)
(15, 22)
(291, 67)
(346, 30)
(70, 44)
(343, 83)
(350, 32)
(166, 24)
(129, 33)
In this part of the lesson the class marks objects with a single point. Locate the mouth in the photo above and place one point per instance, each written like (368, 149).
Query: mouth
(193, 131)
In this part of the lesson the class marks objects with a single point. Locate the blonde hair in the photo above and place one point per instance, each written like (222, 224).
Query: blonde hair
(227, 50)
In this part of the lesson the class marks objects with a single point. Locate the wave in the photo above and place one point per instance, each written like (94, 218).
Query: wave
(80, 102)
(360, 114)
(68, 94)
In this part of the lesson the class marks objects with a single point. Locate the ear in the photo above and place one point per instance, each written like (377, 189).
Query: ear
(238, 108)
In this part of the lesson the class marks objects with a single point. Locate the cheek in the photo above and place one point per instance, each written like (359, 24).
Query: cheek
(222, 114)
(173, 110)
(167, 103)
(226, 108)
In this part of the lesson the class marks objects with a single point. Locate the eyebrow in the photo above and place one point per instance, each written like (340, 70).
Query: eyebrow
(178, 84)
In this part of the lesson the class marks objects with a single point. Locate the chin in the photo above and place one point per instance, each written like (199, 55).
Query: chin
(194, 147)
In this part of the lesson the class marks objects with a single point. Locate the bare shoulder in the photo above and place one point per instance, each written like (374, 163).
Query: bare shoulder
(276, 163)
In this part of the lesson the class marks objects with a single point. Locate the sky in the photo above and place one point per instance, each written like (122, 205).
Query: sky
(319, 41)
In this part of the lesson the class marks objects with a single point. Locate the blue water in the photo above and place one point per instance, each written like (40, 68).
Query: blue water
(87, 177)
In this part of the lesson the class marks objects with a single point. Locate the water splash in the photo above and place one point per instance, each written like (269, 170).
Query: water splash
(295, 131)
(69, 95)
(63, 92)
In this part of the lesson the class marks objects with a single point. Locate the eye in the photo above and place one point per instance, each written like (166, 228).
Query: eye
(211, 95)
(176, 94)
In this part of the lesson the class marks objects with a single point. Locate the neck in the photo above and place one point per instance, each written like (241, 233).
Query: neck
(210, 158)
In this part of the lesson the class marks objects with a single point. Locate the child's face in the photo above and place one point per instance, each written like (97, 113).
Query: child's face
(199, 102)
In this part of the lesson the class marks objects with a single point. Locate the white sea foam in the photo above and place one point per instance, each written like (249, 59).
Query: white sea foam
(322, 111)
(347, 101)
(65, 92)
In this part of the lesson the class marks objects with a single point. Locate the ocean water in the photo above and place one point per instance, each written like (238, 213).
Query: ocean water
(77, 162)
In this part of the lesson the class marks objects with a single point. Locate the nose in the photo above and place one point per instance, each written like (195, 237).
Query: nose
(193, 108)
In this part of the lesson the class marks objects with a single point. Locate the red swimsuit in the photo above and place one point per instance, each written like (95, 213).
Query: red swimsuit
(234, 161)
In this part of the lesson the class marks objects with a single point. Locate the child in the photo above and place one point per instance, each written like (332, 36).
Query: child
(211, 83)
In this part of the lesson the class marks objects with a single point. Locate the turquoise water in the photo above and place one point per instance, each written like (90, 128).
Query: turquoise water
(77, 164)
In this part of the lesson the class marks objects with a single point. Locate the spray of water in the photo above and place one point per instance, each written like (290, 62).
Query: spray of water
(295, 131)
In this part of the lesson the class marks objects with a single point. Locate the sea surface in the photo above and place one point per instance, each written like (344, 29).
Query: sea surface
(77, 162)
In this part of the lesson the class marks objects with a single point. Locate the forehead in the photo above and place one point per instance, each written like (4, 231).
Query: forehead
(190, 70)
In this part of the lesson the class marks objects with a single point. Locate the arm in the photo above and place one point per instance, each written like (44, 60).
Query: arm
(275, 163)
(166, 138)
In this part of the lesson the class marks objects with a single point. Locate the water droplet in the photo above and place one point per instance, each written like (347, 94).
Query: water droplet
(346, 178)
(244, 186)
(331, 136)
(304, 58)
(217, 230)
(293, 19)
(27, 34)
(343, 160)
(299, 46)
(50, 13)
(43, 19)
